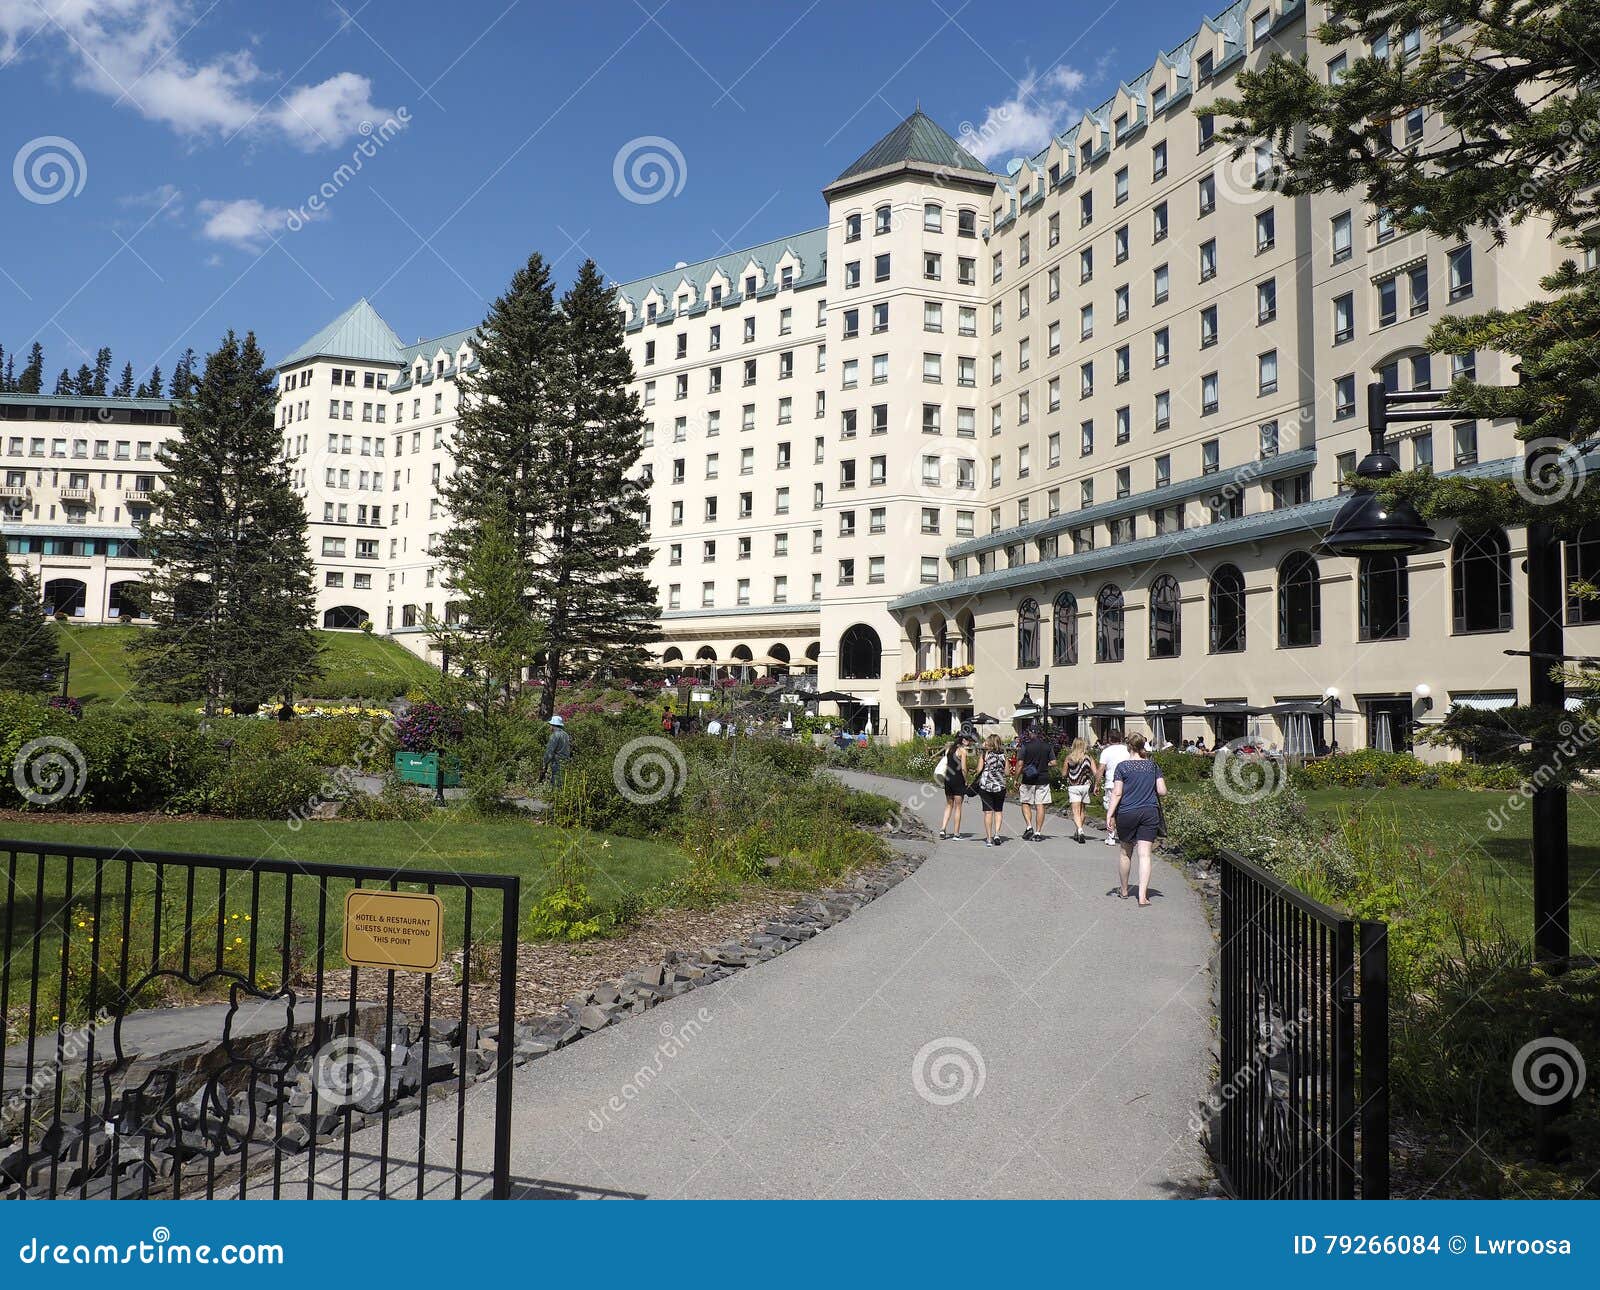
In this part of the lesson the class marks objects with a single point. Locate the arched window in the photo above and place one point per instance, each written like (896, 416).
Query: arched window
(1385, 594)
(860, 654)
(1299, 601)
(1028, 634)
(1064, 646)
(1166, 621)
(1480, 582)
(344, 618)
(1227, 610)
(1108, 641)
(1583, 565)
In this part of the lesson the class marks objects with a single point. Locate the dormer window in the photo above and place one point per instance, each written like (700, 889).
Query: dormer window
(1203, 66)
(787, 278)
(749, 284)
(650, 312)
(716, 295)
(1158, 98)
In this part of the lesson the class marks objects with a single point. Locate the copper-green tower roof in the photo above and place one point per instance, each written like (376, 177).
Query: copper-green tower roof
(918, 142)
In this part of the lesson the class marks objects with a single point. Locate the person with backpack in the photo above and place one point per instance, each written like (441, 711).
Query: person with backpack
(954, 782)
(992, 788)
(1036, 756)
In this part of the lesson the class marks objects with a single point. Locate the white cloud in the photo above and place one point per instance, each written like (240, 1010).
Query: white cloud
(165, 200)
(129, 51)
(243, 222)
(1024, 124)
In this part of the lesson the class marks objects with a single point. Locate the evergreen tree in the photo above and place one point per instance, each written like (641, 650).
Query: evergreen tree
(11, 374)
(231, 585)
(28, 652)
(589, 586)
(84, 383)
(495, 637)
(182, 377)
(1516, 98)
(102, 371)
(124, 386)
(151, 389)
(64, 383)
(508, 407)
(32, 379)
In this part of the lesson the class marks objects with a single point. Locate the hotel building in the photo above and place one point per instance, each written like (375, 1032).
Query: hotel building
(1086, 418)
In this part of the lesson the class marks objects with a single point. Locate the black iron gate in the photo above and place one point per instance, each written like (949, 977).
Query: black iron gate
(187, 1025)
(1304, 1097)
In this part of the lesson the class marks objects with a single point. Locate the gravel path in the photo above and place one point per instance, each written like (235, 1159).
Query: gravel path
(998, 1025)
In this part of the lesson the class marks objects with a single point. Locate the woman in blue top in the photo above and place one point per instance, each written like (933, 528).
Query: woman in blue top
(1135, 805)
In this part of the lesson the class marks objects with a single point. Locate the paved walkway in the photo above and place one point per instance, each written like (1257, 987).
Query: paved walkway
(850, 1066)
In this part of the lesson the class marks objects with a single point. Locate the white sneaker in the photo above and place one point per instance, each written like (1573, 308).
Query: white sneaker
(1110, 841)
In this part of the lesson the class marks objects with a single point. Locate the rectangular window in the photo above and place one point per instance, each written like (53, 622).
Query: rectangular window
(1460, 273)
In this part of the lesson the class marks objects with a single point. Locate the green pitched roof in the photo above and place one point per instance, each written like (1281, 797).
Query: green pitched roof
(919, 138)
(358, 333)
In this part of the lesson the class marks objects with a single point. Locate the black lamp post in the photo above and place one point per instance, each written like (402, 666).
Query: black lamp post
(1365, 525)
(1025, 706)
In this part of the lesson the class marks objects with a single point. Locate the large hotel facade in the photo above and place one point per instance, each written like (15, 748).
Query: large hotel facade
(1085, 419)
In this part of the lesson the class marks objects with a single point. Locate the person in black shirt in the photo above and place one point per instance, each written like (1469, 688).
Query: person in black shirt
(1037, 756)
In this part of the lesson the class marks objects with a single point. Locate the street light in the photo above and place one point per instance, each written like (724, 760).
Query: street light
(1365, 525)
(1025, 705)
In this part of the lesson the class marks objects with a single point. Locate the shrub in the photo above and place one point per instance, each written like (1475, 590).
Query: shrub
(427, 727)
(394, 802)
(1369, 768)
(260, 782)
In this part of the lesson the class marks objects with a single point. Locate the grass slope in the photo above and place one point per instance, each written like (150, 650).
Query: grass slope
(354, 663)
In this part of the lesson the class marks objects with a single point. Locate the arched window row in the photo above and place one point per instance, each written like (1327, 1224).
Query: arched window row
(1480, 584)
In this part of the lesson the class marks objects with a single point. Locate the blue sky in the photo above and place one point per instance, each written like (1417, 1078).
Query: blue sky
(165, 153)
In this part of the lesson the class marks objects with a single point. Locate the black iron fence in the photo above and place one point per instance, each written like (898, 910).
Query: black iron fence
(1304, 1097)
(297, 1043)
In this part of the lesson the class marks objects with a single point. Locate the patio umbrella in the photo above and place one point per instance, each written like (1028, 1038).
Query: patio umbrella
(984, 719)
(833, 696)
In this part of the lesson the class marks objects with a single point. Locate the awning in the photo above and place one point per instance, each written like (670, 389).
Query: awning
(1488, 700)
(1302, 708)
(1172, 710)
(1104, 710)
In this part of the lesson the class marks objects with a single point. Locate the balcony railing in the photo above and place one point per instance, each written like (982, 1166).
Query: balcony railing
(18, 491)
(137, 494)
(83, 495)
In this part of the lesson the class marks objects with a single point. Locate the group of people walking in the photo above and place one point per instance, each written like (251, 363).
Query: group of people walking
(1124, 774)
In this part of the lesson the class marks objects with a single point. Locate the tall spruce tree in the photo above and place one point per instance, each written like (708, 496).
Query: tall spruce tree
(124, 386)
(11, 374)
(102, 370)
(182, 377)
(508, 408)
(589, 585)
(32, 379)
(64, 383)
(28, 650)
(231, 585)
(151, 387)
(84, 382)
(495, 637)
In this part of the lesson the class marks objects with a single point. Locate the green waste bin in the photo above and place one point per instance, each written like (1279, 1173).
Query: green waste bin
(423, 769)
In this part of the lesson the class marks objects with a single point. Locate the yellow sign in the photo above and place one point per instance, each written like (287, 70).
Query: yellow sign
(393, 929)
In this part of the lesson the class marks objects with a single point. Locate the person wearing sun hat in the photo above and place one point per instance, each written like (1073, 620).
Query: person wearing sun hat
(557, 752)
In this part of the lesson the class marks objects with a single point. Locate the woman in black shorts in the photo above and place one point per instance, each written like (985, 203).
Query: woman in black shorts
(992, 788)
(955, 787)
(1135, 804)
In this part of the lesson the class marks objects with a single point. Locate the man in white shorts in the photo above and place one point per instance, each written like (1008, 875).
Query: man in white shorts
(1113, 752)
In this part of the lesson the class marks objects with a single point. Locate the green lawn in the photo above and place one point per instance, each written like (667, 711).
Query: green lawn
(622, 869)
(354, 664)
(1454, 827)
